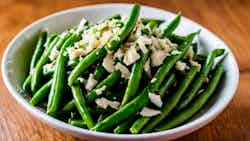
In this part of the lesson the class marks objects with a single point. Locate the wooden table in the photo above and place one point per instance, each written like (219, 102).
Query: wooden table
(229, 19)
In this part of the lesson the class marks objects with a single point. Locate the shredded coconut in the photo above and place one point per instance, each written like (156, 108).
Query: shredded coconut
(75, 52)
(91, 82)
(157, 57)
(47, 67)
(104, 103)
(131, 56)
(108, 63)
(153, 80)
(82, 80)
(124, 70)
(155, 99)
(54, 53)
(181, 66)
(146, 67)
(100, 90)
(148, 112)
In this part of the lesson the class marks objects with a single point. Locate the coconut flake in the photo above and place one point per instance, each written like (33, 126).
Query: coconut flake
(91, 82)
(181, 66)
(46, 67)
(119, 53)
(75, 52)
(108, 63)
(196, 64)
(190, 53)
(54, 53)
(131, 56)
(99, 91)
(148, 112)
(157, 57)
(82, 80)
(124, 70)
(146, 68)
(142, 42)
(155, 99)
(153, 80)
(104, 103)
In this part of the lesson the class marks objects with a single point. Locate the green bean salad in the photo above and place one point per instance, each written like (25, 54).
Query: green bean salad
(123, 75)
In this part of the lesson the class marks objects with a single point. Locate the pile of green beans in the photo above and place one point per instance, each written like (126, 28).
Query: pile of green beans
(183, 92)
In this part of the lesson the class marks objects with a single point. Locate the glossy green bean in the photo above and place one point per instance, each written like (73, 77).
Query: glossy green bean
(143, 99)
(124, 126)
(196, 105)
(38, 50)
(27, 82)
(172, 101)
(77, 123)
(111, 46)
(157, 21)
(134, 79)
(41, 93)
(81, 105)
(36, 76)
(194, 88)
(106, 83)
(123, 113)
(58, 77)
(172, 26)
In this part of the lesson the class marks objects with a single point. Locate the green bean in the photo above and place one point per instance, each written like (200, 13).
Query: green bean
(50, 40)
(71, 105)
(101, 117)
(41, 93)
(140, 122)
(77, 123)
(106, 83)
(172, 26)
(81, 105)
(68, 107)
(177, 38)
(194, 88)
(123, 113)
(134, 80)
(142, 99)
(169, 62)
(167, 84)
(51, 71)
(196, 105)
(157, 21)
(151, 24)
(200, 58)
(124, 126)
(126, 29)
(99, 73)
(72, 63)
(27, 82)
(112, 45)
(172, 101)
(58, 77)
(57, 43)
(38, 50)
(116, 16)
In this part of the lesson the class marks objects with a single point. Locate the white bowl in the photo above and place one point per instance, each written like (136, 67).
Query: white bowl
(17, 57)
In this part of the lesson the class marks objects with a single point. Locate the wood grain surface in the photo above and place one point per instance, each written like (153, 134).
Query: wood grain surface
(229, 19)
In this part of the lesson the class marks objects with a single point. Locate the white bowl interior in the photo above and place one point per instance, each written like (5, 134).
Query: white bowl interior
(18, 54)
